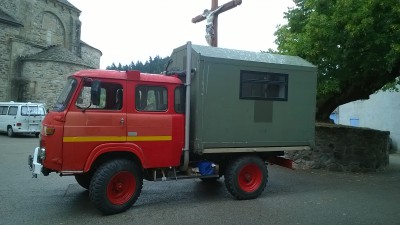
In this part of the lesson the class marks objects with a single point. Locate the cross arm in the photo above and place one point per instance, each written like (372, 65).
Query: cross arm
(198, 18)
(225, 7)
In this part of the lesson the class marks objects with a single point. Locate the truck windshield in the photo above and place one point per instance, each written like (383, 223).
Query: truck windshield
(65, 95)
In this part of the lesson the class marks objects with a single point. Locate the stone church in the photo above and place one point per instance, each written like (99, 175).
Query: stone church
(40, 46)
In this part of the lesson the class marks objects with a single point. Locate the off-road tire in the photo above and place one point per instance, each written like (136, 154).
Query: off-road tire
(246, 177)
(115, 186)
(84, 179)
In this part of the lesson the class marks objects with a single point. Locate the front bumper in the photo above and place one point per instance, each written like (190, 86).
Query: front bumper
(34, 164)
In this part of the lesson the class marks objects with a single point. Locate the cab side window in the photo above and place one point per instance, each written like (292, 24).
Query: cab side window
(151, 98)
(111, 95)
(180, 99)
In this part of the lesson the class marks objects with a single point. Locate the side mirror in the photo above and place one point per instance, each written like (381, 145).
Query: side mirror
(95, 92)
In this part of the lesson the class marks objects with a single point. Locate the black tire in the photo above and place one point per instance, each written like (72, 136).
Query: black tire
(115, 186)
(246, 177)
(84, 179)
(37, 135)
(10, 132)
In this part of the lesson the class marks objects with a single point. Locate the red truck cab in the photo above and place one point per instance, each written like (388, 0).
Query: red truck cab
(137, 114)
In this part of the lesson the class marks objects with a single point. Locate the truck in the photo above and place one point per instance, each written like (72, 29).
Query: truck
(213, 113)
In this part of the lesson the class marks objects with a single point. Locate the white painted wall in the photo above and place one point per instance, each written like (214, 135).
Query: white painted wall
(381, 112)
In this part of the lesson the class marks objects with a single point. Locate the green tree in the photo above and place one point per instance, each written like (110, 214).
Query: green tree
(154, 65)
(112, 67)
(354, 43)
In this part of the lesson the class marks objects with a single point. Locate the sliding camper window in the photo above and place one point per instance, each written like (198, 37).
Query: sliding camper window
(151, 98)
(263, 86)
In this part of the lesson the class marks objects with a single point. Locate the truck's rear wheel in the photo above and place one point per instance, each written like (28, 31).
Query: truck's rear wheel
(246, 177)
(115, 186)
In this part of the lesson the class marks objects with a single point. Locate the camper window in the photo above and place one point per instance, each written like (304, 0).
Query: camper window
(263, 86)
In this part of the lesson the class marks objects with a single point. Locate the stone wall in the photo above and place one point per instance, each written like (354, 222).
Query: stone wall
(19, 48)
(5, 63)
(36, 25)
(46, 22)
(368, 113)
(53, 73)
(345, 148)
(91, 55)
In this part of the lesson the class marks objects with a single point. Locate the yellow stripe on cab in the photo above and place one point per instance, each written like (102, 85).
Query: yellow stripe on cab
(116, 138)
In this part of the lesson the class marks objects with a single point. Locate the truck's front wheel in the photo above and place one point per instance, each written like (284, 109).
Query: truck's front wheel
(115, 186)
(246, 177)
(83, 179)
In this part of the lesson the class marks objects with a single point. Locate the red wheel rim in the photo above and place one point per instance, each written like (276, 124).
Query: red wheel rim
(250, 178)
(121, 188)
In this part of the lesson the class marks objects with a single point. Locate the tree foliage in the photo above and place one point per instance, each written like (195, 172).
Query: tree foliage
(354, 43)
(156, 65)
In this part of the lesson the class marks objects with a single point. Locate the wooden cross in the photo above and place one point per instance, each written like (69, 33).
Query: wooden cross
(212, 26)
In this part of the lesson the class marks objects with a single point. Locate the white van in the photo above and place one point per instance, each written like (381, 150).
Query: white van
(21, 117)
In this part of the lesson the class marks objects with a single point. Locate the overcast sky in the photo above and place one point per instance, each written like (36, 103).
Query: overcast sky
(132, 30)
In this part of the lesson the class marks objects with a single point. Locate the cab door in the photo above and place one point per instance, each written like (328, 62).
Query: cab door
(88, 126)
(150, 125)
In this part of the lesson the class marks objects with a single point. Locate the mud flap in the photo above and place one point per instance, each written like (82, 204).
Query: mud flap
(280, 161)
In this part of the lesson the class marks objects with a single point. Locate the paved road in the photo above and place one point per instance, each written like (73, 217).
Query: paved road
(292, 197)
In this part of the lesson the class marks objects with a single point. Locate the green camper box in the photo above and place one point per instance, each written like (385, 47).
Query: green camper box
(245, 101)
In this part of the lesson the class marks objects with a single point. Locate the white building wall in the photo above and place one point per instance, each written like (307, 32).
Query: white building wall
(381, 112)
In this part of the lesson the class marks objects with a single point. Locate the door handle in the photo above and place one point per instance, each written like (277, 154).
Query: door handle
(122, 121)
